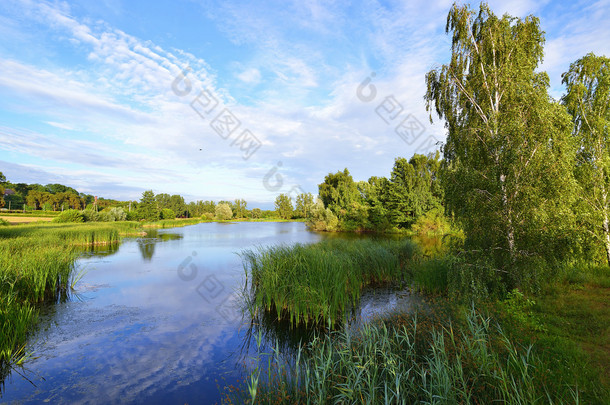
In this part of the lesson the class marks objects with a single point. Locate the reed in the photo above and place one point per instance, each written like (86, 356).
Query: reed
(317, 282)
(384, 364)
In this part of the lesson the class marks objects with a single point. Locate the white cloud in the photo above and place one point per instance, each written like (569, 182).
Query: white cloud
(250, 76)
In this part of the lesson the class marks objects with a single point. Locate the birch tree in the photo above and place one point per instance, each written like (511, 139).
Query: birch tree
(588, 101)
(507, 158)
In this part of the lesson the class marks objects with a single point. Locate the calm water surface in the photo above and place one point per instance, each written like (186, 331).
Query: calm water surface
(156, 320)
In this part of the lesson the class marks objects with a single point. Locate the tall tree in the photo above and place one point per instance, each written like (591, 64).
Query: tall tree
(240, 208)
(588, 101)
(148, 208)
(303, 205)
(415, 188)
(508, 155)
(283, 206)
(177, 204)
(338, 192)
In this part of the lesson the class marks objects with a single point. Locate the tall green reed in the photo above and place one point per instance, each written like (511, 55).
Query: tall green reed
(312, 283)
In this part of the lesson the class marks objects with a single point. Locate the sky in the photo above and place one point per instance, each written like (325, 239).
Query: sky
(235, 99)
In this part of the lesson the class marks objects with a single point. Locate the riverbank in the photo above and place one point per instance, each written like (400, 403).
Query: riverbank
(553, 346)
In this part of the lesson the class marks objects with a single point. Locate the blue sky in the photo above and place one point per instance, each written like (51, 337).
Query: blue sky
(91, 94)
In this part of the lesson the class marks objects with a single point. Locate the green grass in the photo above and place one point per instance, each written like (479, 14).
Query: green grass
(317, 282)
(30, 213)
(570, 323)
(403, 362)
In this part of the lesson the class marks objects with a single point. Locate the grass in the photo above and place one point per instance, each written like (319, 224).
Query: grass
(572, 329)
(404, 361)
(13, 220)
(313, 283)
(42, 214)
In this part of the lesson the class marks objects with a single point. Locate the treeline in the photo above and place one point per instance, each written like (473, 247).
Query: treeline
(412, 198)
(52, 197)
(80, 207)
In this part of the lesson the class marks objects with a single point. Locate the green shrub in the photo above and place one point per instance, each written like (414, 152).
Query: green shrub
(432, 222)
(133, 216)
(432, 275)
(256, 213)
(167, 213)
(520, 309)
(208, 216)
(70, 216)
(223, 212)
(117, 214)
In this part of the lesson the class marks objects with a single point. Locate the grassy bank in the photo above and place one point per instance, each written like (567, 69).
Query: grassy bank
(317, 282)
(552, 346)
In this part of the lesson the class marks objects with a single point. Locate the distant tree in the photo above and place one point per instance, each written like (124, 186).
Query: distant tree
(209, 206)
(2, 180)
(283, 206)
(588, 101)
(14, 201)
(148, 208)
(256, 213)
(304, 205)
(22, 189)
(163, 200)
(37, 187)
(223, 212)
(377, 196)
(177, 204)
(59, 188)
(34, 199)
(240, 208)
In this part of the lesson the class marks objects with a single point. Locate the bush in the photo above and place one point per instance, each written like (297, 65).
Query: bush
(322, 219)
(117, 214)
(70, 216)
(223, 212)
(208, 216)
(432, 222)
(133, 215)
(520, 309)
(256, 213)
(167, 213)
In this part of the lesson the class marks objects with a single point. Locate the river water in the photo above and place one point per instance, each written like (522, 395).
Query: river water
(158, 319)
